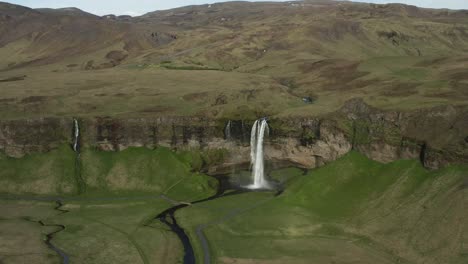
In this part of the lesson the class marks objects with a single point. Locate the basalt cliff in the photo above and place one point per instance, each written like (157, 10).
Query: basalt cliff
(436, 136)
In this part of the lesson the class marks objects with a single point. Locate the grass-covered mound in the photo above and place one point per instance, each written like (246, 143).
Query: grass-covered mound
(134, 171)
(41, 173)
(352, 210)
(143, 170)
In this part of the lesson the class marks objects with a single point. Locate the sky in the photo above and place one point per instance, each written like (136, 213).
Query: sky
(140, 7)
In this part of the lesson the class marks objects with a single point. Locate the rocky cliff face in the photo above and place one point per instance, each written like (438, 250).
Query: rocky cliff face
(20, 137)
(436, 136)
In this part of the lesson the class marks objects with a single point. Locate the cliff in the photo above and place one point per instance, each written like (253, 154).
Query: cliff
(437, 136)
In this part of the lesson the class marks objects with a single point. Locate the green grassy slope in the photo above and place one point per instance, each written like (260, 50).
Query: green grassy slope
(142, 170)
(41, 173)
(134, 171)
(115, 232)
(113, 220)
(373, 212)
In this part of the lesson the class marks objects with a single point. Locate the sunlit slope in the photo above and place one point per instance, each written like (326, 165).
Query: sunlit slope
(69, 38)
(134, 171)
(395, 213)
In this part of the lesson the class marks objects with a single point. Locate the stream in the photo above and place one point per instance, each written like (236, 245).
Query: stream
(50, 236)
(167, 217)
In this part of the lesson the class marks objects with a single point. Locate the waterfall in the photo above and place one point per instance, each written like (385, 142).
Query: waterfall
(253, 145)
(76, 129)
(259, 129)
(227, 130)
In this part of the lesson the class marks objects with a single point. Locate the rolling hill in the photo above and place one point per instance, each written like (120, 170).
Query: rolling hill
(394, 56)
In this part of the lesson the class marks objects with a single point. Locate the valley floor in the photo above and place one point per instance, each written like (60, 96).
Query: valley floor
(351, 211)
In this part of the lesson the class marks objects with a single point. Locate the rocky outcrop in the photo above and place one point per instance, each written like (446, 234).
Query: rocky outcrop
(435, 136)
(20, 137)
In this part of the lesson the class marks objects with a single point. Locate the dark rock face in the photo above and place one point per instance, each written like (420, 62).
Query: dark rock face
(20, 137)
(117, 134)
(436, 136)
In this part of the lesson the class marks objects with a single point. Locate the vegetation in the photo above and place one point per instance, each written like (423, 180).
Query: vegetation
(234, 61)
(143, 170)
(22, 238)
(366, 209)
(117, 232)
(39, 173)
(361, 206)
(330, 52)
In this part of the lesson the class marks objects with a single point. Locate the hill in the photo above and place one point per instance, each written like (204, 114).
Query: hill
(394, 56)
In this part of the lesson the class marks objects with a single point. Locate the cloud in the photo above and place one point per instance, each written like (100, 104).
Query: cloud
(139, 7)
(132, 13)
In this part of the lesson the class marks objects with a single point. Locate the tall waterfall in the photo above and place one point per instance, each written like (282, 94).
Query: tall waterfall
(227, 130)
(76, 133)
(259, 129)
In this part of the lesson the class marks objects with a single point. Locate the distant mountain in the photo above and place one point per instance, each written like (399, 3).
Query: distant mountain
(392, 55)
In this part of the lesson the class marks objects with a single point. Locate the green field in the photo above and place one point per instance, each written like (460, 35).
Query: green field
(371, 212)
(352, 210)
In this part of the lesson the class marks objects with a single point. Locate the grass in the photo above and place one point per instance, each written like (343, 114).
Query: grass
(143, 170)
(113, 220)
(95, 232)
(187, 91)
(334, 54)
(40, 173)
(372, 212)
(188, 67)
(23, 241)
(355, 180)
(98, 232)
(132, 172)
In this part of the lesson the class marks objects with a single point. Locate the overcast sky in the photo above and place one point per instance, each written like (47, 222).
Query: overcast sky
(139, 7)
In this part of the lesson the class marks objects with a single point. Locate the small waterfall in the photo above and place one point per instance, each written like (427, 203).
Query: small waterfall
(259, 129)
(227, 130)
(81, 185)
(76, 133)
